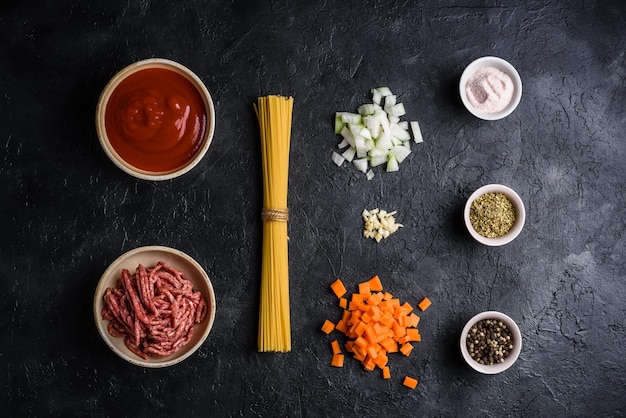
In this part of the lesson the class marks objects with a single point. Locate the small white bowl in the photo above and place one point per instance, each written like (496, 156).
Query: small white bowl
(149, 256)
(509, 360)
(520, 215)
(502, 65)
(101, 112)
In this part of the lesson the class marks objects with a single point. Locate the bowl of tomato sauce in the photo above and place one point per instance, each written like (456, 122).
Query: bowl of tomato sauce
(155, 119)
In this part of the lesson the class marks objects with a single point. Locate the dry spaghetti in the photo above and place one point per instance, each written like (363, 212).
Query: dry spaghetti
(274, 116)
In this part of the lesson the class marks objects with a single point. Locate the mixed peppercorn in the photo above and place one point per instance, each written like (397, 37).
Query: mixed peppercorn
(489, 341)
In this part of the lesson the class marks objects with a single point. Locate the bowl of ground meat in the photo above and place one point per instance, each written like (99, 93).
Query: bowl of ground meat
(154, 306)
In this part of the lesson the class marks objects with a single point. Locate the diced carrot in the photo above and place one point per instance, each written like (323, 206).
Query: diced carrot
(375, 299)
(410, 382)
(346, 315)
(375, 284)
(413, 334)
(398, 331)
(363, 307)
(361, 342)
(359, 354)
(406, 308)
(358, 298)
(372, 350)
(369, 364)
(374, 313)
(338, 288)
(353, 306)
(341, 326)
(385, 306)
(386, 319)
(370, 335)
(376, 324)
(424, 304)
(381, 360)
(379, 329)
(328, 327)
(364, 288)
(406, 349)
(337, 360)
(360, 328)
(355, 316)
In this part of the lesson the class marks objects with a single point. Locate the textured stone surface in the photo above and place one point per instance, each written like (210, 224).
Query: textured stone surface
(68, 212)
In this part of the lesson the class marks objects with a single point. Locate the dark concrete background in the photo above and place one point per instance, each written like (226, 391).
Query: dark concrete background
(67, 211)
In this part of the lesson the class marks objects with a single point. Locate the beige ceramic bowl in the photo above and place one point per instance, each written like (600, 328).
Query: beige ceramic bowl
(520, 213)
(102, 106)
(149, 256)
(502, 65)
(510, 359)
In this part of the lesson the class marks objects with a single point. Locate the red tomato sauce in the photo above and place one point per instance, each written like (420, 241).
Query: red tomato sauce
(156, 120)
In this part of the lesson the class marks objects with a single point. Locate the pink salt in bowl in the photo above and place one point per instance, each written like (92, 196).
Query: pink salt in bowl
(481, 92)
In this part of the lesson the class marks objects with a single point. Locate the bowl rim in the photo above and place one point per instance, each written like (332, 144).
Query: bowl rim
(512, 357)
(101, 111)
(520, 213)
(115, 268)
(491, 61)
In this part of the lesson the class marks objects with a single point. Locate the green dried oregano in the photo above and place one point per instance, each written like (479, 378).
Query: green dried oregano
(492, 215)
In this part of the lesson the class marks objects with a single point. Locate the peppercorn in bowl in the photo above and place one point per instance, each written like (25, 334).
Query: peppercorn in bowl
(490, 342)
(494, 215)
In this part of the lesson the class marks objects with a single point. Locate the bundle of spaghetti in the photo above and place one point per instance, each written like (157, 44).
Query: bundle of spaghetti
(274, 116)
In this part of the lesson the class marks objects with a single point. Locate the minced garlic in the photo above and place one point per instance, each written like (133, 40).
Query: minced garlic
(379, 224)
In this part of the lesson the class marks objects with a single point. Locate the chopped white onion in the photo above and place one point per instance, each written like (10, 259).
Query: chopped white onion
(349, 154)
(338, 159)
(417, 132)
(360, 164)
(375, 135)
(392, 164)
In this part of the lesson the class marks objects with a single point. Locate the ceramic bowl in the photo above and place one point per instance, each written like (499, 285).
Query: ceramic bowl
(520, 214)
(509, 360)
(102, 109)
(148, 257)
(502, 65)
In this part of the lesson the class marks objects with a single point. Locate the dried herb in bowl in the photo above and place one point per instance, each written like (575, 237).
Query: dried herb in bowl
(492, 215)
(489, 341)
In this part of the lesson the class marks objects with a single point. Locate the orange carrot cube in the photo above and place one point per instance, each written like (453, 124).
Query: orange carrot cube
(409, 382)
(328, 327)
(424, 304)
(338, 288)
(337, 360)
